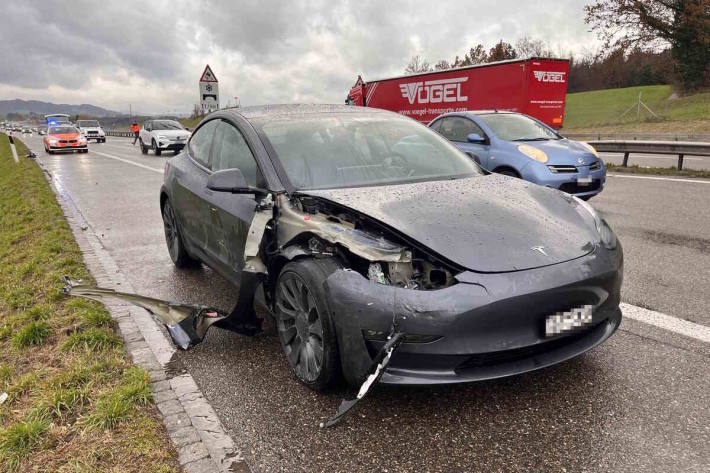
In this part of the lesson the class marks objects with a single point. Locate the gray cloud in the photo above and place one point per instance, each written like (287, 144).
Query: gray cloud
(150, 54)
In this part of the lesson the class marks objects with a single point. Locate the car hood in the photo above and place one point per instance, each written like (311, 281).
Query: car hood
(562, 151)
(173, 133)
(489, 223)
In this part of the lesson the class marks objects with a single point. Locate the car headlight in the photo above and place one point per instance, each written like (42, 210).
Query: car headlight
(606, 234)
(52, 141)
(590, 148)
(533, 152)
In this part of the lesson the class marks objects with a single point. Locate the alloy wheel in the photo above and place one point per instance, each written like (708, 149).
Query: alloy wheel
(170, 227)
(300, 326)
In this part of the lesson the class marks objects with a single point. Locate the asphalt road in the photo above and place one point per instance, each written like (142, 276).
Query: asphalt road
(659, 160)
(637, 403)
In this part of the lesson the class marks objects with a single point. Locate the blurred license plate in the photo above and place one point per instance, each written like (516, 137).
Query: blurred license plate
(564, 322)
(584, 181)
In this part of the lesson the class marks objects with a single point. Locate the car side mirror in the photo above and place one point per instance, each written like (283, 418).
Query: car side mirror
(232, 180)
(475, 138)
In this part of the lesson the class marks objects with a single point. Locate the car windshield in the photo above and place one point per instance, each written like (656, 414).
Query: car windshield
(515, 127)
(61, 130)
(88, 123)
(349, 150)
(167, 125)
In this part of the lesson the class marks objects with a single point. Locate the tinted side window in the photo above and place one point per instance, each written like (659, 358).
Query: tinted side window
(201, 141)
(462, 127)
(231, 151)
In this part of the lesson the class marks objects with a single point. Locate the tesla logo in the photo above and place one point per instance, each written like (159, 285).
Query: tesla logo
(434, 91)
(541, 249)
(549, 76)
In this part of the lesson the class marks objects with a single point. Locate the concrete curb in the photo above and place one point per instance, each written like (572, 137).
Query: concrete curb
(192, 424)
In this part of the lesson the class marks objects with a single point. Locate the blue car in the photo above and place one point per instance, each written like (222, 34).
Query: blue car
(518, 145)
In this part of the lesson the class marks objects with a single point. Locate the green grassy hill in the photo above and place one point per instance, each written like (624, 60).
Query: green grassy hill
(601, 109)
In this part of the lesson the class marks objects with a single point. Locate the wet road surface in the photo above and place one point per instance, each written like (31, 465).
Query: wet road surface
(637, 403)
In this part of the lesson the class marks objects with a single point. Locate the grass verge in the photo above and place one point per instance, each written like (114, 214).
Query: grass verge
(75, 402)
(601, 110)
(670, 171)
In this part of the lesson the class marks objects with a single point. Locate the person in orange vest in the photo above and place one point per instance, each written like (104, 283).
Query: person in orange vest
(135, 128)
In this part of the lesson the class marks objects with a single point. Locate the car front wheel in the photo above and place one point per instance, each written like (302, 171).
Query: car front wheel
(305, 324)
(144, 148)
(156, 150)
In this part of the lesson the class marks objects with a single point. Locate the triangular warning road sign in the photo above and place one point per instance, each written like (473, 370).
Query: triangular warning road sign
(208, 75)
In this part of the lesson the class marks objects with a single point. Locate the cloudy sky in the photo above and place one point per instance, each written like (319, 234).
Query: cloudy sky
(150, 54)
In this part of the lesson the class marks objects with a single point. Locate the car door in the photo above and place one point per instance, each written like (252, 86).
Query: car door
(144, 133)
(231, 214)
(457, 129)
(190, 194)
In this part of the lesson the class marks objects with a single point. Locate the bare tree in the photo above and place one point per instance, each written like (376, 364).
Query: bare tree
(442, 65)
(652, 24)
(502, 51)
(417, 64)
(529, 47)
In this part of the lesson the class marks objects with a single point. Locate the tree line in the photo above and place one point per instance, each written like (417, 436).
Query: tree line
(646, 42)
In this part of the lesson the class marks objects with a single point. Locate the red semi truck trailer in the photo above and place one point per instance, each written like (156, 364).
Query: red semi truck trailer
(534, 86)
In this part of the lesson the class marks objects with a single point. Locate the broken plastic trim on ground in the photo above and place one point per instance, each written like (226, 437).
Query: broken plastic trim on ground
(188, 324)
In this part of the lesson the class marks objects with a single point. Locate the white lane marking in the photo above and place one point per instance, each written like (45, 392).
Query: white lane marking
(660, 178)
(14, 153)
(666, 322)
(128, 161)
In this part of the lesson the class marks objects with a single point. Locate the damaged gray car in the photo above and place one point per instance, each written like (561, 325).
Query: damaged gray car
(375, 240)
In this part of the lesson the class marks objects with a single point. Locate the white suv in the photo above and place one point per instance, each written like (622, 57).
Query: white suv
(162, 135)
(92, 130)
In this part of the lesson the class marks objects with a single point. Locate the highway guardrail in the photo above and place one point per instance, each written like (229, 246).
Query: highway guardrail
(124, 134)
(599, 136)
(679, 148)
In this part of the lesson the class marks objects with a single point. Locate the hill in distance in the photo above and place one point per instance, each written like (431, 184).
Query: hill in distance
(43, 108)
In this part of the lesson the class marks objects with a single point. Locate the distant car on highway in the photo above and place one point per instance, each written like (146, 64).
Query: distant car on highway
(92, 130)
(63, 138)
(26, 130)
(364, 228)
(162, 135)
(518, 145)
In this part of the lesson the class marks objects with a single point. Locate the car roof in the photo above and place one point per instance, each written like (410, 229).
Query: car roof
(266, 111)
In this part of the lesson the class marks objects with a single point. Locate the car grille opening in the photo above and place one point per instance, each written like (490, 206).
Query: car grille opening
(561, 168)
(507, 356)
(575, 188)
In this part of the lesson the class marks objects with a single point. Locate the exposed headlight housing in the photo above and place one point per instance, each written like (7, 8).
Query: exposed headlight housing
(590, 148)
(533, 153)
(606, 234)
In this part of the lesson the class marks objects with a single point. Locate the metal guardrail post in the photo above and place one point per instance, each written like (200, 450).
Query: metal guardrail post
(626, 159)
(680, 162)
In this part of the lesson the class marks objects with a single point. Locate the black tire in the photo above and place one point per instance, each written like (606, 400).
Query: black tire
(302, 313)
(508, 172)
(156, 150)
(144, 148)
(173, 238)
